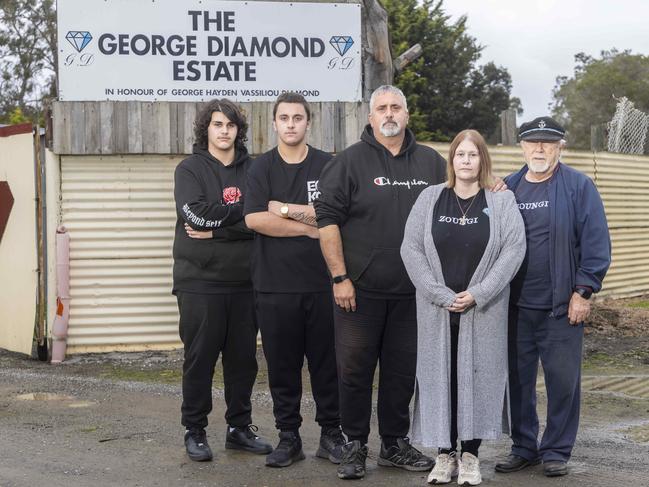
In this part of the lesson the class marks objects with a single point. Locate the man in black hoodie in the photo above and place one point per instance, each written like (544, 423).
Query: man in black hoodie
(211, 280)
(293, 293)
(366, 193)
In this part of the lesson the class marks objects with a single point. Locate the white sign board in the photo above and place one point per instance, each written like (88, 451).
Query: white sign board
(196, 50)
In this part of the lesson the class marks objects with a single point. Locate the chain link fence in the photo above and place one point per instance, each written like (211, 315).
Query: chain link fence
(627, 131)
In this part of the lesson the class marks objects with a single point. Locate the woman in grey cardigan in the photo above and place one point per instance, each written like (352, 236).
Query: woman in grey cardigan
(461, 248)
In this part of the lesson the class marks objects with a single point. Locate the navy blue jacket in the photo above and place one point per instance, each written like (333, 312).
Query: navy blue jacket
(580, 245)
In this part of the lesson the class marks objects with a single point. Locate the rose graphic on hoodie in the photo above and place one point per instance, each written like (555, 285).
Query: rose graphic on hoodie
(231, 195)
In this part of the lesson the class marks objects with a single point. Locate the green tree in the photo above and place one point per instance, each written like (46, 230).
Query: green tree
(28, 53)
(587, 98)
(446, 91)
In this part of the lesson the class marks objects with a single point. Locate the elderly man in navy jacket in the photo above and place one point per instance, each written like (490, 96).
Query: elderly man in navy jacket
(568, 254)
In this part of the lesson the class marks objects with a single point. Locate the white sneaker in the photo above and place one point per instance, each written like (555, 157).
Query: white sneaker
(469, 470)
(444, 470)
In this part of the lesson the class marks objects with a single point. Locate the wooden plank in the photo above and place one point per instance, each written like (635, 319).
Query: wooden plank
(508, 128)
(340, 140)
(120, 127)
(314, 136)
(134, 110)
(107, 139)
(148, 131)
(363, 119)
(257, 121)
(92, 125)
(327, 115)
(77, 129)
(161, 121)
(271, 135)
(180, 127)
(189, 117)
(351, 110)
(173, 128)
(61, 127)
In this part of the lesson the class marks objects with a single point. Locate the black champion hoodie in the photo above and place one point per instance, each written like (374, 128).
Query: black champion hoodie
(369, 193)
(209, 196)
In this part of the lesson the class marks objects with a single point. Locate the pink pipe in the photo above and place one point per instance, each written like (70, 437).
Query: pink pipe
(60, 325)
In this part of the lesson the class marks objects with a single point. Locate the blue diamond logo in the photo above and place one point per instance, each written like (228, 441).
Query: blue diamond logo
(341, 44)
(79, 39)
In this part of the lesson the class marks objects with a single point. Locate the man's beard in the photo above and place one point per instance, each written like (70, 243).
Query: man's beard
(390, 129)
(539, 167)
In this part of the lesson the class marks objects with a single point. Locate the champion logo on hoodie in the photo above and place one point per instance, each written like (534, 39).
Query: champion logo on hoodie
(383, 181)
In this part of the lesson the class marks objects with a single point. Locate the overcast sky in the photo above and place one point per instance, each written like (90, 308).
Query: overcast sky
(536, 40)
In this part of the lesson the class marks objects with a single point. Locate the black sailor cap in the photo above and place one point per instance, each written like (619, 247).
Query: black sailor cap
(541, 129)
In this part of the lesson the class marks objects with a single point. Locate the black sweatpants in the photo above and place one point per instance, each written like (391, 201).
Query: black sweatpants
(469, 446)
(292, 326)
(211, 324)
(383, 330)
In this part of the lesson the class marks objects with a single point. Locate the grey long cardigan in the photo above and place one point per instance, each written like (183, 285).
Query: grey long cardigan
(483, 406)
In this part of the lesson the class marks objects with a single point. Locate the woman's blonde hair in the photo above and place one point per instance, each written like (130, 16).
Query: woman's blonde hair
(485, 179)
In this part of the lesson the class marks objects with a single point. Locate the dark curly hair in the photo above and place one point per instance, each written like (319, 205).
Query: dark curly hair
(230, 110)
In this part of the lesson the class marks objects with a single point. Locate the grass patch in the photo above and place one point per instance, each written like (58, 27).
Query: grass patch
(164, 376)
(640, 304)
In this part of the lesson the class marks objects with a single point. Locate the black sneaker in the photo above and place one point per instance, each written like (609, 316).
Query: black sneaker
(196, 445)
(289, 450)
(352, 464)
(404, 455)
(331, 445)
(245, 439)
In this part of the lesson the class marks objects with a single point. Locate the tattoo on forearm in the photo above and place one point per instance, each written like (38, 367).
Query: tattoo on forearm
(302, 217)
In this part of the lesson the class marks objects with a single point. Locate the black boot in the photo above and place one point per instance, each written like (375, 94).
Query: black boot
(245, 439)
(196, 445)
(331, 444)
(289, 450)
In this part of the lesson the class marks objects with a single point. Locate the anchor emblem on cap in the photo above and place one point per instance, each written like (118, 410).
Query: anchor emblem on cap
(542, 124)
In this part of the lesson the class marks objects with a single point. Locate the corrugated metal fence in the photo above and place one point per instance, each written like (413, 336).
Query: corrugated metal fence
(120, 213)
(623, 182)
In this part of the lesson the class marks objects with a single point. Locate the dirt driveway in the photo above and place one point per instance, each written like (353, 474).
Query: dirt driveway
(112, 420)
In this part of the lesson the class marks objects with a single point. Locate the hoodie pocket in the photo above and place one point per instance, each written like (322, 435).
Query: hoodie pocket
(200, 252)
(384, 271)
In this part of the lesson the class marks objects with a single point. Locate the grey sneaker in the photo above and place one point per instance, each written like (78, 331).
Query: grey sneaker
(404, 455)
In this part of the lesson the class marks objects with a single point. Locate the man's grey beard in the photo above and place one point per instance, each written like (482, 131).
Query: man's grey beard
(537, 167)
(390, 130)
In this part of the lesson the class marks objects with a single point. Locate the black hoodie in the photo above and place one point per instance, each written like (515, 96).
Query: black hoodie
(369, 193)
(209, 196)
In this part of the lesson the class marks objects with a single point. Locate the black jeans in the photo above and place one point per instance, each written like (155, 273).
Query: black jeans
(469, 446)
(294, 325)
(211, 324)
(385, 331)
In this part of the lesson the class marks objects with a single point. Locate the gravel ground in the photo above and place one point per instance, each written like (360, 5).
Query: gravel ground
(113, 420)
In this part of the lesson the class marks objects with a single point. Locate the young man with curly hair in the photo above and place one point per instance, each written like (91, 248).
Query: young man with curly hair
(211, 280)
